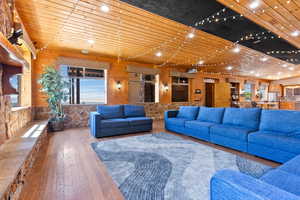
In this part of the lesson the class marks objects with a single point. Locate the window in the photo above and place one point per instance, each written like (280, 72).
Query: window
(86, 86)
(248, 91)
(263, 92)
(143, 88)
(15, 81)
(180, 89)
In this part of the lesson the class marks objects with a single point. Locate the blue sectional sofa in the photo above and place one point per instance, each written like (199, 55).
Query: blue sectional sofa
(271, 134)
(282, 183)
(118, 120)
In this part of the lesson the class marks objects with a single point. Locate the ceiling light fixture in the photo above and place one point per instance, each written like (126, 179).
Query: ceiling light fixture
(236, 50)
(254, 4)
(229, 68)
(201, 62)
(264, 59)
(91, 41)
(291, 68)
(104, 8)
(191, 35)
(295, 33)
(284, 65)
(251, 72)
(85, 51)
(158, 54)
(279, 73)
(257, 75)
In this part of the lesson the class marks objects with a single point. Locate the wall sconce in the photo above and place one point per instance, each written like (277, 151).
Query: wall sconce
(166, 87)
(119, 85)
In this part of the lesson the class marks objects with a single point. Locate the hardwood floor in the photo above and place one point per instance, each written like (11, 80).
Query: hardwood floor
(68, 168)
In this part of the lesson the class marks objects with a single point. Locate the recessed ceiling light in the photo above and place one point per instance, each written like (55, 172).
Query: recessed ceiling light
(85, 51)
(279, 73)
(236, 50)
(254, 4)
(291, 68)
(158, 54)
(251, 72)
(284, 65)
(264, 59)
(229, 68)
(104, 8)
(191, 35)
(257, 75)
(91, 41)
(295, 33)
(201, 62)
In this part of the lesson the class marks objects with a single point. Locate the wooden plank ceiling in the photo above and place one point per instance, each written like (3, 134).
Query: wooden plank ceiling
(137, 35)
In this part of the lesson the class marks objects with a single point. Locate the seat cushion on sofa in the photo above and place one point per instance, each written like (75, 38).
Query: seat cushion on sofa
(134, 111)
(195, 124)
(176, 121)
(114, 123)
(111, 112)
(283, 121)
(214, 115)
(275, 140)
(292, 166)
(188, 112)
(244, 117)
(234, 132)
(136, 121)
(283, 180)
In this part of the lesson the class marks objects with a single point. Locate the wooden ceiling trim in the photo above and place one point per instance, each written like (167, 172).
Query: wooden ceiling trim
(265, 19)
(112, 17)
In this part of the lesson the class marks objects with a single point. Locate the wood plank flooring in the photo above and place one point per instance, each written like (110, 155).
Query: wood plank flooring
(68, 169)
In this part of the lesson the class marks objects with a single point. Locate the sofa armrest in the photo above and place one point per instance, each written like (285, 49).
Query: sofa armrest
(94, 122)
(171, 113)
(233, 185)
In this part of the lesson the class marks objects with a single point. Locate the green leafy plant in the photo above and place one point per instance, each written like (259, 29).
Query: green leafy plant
(56, 89)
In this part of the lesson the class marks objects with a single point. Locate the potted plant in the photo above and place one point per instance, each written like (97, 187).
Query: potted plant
(56, 89)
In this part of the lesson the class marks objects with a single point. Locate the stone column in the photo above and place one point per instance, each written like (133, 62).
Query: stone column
(5, 108)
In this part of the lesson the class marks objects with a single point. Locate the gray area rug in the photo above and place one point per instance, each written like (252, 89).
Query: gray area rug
(167, 167)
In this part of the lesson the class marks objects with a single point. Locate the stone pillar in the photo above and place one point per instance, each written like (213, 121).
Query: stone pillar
(5, 108)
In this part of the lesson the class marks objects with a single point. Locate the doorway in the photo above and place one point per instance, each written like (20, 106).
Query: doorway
(209, 94)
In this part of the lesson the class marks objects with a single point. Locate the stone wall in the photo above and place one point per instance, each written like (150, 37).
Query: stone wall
(78, 115)
(18, 118)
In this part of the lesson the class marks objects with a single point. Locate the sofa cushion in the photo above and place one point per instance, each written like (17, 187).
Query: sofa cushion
(244, 117)
(110, 112)
(276, 140)
(283, 121)
(198, 124)
(134, 111)
(176, 121)
(292, 166)
(114, 123)
(234, 132)
(283, 180)
(188, 112)
(214, 115)
(136, 121)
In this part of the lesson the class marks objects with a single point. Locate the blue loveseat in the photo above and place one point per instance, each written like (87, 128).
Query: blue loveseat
(282, 183)
(271, 134)
(118, 120)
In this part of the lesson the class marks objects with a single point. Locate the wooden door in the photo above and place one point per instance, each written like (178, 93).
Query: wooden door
(222, 95)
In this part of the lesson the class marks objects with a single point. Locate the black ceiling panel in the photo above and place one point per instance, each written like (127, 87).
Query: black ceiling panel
(189, 12)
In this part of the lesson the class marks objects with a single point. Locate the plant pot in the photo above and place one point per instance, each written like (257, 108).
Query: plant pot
(56, 125)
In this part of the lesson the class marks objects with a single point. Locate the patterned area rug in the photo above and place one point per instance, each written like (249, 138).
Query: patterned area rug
(167, 167)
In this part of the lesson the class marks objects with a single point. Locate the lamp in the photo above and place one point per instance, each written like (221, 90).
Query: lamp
(119, 85)
(166, 87)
